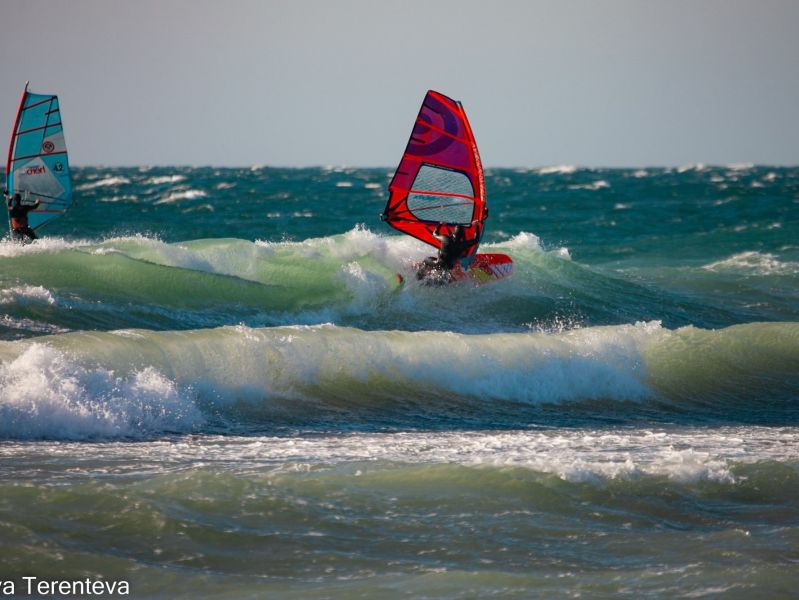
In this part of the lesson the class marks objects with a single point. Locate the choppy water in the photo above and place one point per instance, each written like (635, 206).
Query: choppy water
(210, 380)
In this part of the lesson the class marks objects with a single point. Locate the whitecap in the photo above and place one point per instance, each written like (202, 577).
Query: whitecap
(164, 179)
(180, 195)
(739, 166)
(107, 182)
(755, 263)
(27, 294)
(46, 394)
(557, 169)
(593, 186)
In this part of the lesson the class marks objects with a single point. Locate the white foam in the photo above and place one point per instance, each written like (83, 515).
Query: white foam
(739, 166)
(593, 186)
(177, 196)
(524, 240)
(122, 198)
(44, 393)
(754, 263)
(527, 241)
(31, 325)
(161, 179)
(394, 252)
(27, 294)
(344, 184)
(42, 245)
(572, 454)
(556, 169)
(106, 182)
(692, 167)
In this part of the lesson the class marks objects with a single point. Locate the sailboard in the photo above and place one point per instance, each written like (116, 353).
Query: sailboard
(38, 165)
(440, 181)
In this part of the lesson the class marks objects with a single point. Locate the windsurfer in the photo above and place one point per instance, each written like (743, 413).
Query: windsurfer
(19, 218)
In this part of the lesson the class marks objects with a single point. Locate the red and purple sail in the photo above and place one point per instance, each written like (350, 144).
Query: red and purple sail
(440, 177)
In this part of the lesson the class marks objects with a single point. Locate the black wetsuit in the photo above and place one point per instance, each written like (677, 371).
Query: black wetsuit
(19, 221)
(452, 249)
(438, 270)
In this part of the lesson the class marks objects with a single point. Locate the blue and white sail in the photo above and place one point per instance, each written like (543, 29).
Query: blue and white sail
(38, 165)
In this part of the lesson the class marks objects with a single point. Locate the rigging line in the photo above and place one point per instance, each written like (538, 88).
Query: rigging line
(37, 155)
(13, 142)
(394, 189)
(415, 210)
(38, 128)
(47, 120)
(442, 193)
(39, 103)
(417, 159)
(39, 194)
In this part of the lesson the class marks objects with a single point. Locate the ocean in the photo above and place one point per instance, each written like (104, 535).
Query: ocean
(213, 385)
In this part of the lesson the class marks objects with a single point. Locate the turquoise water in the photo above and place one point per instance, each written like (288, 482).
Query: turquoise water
(211, 380)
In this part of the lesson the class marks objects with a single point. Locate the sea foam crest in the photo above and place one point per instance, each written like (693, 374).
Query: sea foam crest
(162, 179)
(525, 240)
(593, 186)
(691, 167)
(106, 182)
(179, 195)
(556, 169)
(26, 294)
(10, 249)
(46, 394)
(754, 263)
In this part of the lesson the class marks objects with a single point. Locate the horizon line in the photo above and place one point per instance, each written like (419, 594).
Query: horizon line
(575, 166)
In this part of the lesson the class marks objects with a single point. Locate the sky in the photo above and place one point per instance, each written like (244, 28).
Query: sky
(339, 82)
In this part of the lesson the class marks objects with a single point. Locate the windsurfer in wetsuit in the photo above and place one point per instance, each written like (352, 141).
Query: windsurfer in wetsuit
(19, 218)
(453, 248)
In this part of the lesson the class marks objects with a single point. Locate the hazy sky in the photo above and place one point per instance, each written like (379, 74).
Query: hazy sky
(328, 82)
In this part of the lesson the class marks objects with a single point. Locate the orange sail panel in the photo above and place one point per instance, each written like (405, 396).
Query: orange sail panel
(440, 178)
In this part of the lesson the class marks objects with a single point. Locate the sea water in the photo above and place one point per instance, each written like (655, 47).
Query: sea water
(212, 384)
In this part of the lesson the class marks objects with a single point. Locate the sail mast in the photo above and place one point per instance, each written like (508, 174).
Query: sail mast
(14, 134)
